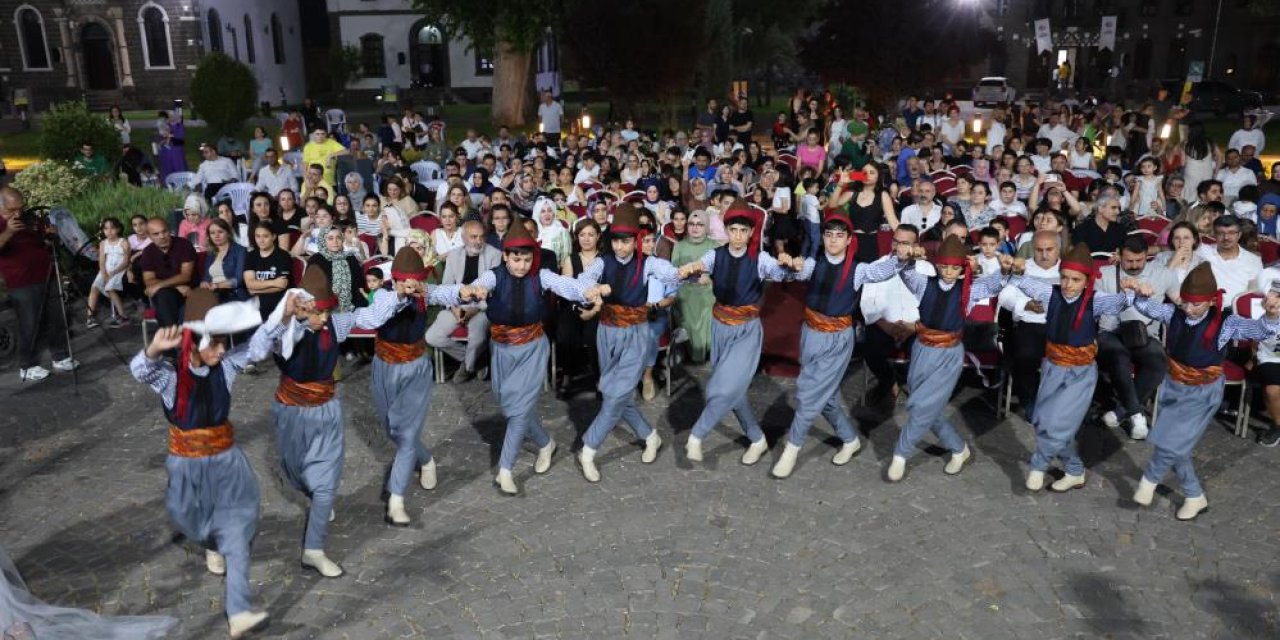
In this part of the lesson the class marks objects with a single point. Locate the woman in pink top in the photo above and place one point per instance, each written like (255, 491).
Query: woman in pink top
(195, 221)
(811, 153)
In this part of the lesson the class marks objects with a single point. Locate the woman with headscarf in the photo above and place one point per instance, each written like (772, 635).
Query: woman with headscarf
(551, 234)
(696, 196)
(354, 183)
(342, 270)
(672, 232)
(693, 303)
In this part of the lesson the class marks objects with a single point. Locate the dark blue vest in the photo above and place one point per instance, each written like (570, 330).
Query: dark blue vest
(736, 281)
(310, 362)
(827, 295)
(1186, 342)
(940, 310)
(407, 326)
(516, 301)
(619, 278)
(1060, 318)
(209, 405)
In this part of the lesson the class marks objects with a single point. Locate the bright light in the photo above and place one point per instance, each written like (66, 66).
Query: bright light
(586, 122)
(1166, 131)
(284, 143)
(977, 125)
(540, 127)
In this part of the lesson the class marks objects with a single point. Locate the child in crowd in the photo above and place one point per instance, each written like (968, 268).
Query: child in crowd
(352, 245)
(989, 258)
(113, 262)
(1007, 245)
(372, 281)
(1008, 204)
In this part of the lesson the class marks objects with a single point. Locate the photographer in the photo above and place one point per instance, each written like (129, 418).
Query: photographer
(25, 265)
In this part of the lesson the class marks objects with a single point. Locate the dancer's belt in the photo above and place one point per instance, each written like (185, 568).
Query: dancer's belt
(621, 316)
(1065, 355)
(1193, 376)
(399, 352)
(825, 323)
(937, 338)
(734, 316)
(202, 442)
(304, 394)
(515, 334)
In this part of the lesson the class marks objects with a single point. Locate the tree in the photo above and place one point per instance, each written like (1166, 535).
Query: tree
(70, 124)
(509, 31)
(225, 92)
(345, 66)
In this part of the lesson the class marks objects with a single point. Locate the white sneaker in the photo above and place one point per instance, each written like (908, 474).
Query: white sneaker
(680, 335)
(427, 474)
(396, 515)
(1192, 507)
(957, 461)
(693, 449)
(753, 453)
(506, 483)
(333, 515)
(1139, 427)
(897, 469)
(315, 559)
(242, 623)
(786, 462)
(651, 446)
(846, 452)
(587, 458)
(1146, 492)
(1111, 419)
(66, 364)
(1035, 480)
(215, 563)
(1068, 482)
(33, 374)
(544, 457)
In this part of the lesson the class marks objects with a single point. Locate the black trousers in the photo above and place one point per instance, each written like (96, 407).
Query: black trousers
(876, 348)
(1028, 351)
(1135, 373)
(40, 323)
(575, 341)
(168, 304)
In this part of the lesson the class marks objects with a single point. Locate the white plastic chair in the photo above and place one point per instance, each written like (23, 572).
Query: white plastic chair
(179, 181)
(238, 193)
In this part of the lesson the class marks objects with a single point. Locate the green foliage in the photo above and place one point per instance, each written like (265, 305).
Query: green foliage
(345, 65)
(121, 200)
(488, 22)
(51, 182)
(68, 125)
(847, 96)
(226, 93)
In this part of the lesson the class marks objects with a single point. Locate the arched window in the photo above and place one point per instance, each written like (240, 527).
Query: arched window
(215, 31)
(248, 39)
(157, 51)
(35, 50)
(277, 39)
(373, 60)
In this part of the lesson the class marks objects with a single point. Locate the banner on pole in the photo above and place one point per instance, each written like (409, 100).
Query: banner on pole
(1107, 34)
(1044, 36)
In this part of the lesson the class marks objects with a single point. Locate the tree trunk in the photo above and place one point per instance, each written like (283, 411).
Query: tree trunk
(510, 85)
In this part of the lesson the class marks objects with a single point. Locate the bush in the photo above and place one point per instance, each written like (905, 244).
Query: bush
(69, 124)
(51, 182)
(121, 200)
(225, 92)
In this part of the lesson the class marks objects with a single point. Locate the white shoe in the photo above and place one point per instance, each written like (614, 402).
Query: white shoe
(315, 559)
(897, 469)
(693, 449)
(544, 457)
(957, 461)
(846, 452)
(215, 563)
(587, 458)
(1139, 427)
(33, 374)
(647, 389)
(1192, 507)
(651, 446)
(1068, 482)
(1111, 419)
(242, 623)
(787, 462)
(1146, 492)
(1035, 480)
(506, 483)
(396, 515)
(753, 453)
(66, 364)
(427, 474)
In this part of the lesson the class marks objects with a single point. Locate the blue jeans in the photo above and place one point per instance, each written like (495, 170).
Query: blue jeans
(813, 238)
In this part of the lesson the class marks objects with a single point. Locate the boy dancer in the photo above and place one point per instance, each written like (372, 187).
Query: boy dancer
(212, 495)
(623, 338)
(737, 276)
(1197, 340)
(826, 340)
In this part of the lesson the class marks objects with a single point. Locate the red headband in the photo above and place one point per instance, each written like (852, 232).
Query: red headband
(850, 252)
(1216, 298)
(1089, 273)
(526, 243)
(408, 275)
(323, 304)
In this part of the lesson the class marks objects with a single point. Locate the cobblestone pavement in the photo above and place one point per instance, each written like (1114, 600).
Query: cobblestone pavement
(667, 550)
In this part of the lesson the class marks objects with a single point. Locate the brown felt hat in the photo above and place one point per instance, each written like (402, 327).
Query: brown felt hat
(316, 284)
(1200, 285)
(408, 265)
(952, 252)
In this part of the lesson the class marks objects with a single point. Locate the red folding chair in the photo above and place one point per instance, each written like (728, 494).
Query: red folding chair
(1156, 224)
(426, 222)
(1246, 305)
(370, 243)
(634, 197)
(790, 160)
(989, 363)
(884, 242)
(1017, 226)
(578, 210)
(1269, 250)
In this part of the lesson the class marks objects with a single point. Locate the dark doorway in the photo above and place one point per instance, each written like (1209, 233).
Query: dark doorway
(99, 64)
(428, 55)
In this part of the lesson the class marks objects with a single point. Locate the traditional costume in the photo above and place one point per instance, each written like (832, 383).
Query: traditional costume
(1069, 370)
(826, 343)
(308, 415)
(212, 495)
(402, 381)
(937, 355)
(623, 338)
(1192, 390)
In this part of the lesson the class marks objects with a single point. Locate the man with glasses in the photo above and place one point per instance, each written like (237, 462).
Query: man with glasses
(1234, 267)
(890, 313)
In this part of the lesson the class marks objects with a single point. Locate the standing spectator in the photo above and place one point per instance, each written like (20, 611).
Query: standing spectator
(707, 119)
(742, 121)
(311, 115)
(258, 147)
(25, 265)
(214, 172)
(1247, 135)
(912, 112)
(1028, 334)
(324, 151)
(550, 113)
(1200, 157)
(170, 143)
(168, 268)
(121, 123)
(294, 131)
(1234, 176)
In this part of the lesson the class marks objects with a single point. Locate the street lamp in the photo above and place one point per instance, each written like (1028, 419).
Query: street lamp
(977, 128)
(284, 143)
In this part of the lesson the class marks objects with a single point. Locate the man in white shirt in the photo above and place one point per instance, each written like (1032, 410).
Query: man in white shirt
(1248, 135)
(274, 176)
(549, 114)
(1233, 177)
(463, 267)
(588, 170)
(1008, 204)
(1234, 267)
(925, 212)
(890, 312)
(995, 132)
(1060, 135)
(1028, 335)
(214, 172)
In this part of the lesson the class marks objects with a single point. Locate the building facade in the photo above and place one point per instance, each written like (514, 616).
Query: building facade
(142, 53)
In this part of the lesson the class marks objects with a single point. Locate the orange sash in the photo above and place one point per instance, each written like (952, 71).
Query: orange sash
(1192, 376)
(304, 394)
(734, 316)
(936, 338)
(1068, 356)
(515, 334)
(399, 352)
(616, 315)
(825, 323)
(202, 442)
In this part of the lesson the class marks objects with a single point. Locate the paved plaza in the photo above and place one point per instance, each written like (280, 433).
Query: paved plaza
(668, 550)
